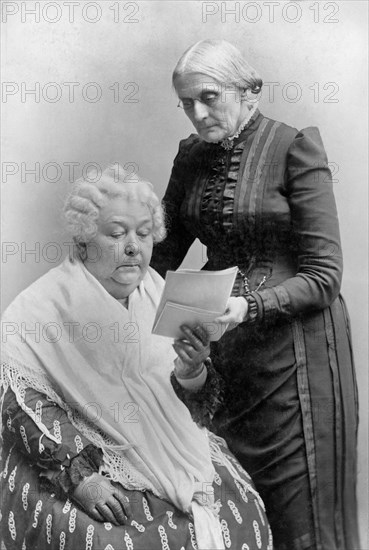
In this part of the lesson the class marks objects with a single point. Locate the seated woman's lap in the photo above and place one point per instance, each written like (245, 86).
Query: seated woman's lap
(35, 516)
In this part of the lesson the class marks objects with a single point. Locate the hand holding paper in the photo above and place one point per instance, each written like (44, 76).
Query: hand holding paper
(235, 312)
(194, 298)
(192, 350)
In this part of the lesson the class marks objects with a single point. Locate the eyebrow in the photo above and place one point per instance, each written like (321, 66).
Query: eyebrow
(201, 94)
(121, 221)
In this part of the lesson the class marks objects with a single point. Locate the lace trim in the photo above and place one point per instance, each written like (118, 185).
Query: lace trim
(116, 466)
(219, 458)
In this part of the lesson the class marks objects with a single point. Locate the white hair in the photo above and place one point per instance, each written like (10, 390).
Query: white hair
(220, 60)
(82, 206)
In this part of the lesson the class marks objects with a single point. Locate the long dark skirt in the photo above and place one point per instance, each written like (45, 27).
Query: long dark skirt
(291, 419)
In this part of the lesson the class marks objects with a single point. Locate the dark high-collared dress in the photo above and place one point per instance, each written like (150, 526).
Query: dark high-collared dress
(289, 412)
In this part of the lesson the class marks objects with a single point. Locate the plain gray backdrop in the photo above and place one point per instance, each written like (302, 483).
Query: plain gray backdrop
(89, 83)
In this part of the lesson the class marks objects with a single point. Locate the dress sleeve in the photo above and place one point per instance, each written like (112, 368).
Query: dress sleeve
(204, 402)
(65, 463)
(314, 221)
(170, 253)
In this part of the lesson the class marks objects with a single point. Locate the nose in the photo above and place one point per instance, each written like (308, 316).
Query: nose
(200, 110)
(131, 249)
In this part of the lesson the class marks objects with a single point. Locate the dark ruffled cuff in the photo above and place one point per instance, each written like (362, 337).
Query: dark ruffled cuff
(202, 403)
(55, 457)
(255, 312)
(74, 470)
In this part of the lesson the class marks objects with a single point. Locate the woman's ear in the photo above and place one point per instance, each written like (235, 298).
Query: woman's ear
(249, 96)
(245, 98)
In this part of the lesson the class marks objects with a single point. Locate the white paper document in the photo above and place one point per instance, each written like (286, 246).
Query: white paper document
(192, 297)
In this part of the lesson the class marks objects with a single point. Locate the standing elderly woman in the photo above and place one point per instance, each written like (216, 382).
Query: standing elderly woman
(258, 194)
(99, 452)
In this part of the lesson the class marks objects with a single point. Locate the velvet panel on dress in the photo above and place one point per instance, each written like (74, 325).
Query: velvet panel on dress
(335, 421)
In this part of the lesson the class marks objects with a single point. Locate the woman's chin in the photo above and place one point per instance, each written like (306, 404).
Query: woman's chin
(121, 286)
(127, 281)
(212, 135)
(122, 290)
(127, 274)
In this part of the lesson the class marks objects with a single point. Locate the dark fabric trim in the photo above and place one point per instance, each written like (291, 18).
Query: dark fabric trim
(242, 197)
(338, 426)
(87, 462)
(307, 421)
(260, 176)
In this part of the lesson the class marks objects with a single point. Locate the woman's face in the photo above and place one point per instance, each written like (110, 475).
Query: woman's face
(215, 109)
(119, 255)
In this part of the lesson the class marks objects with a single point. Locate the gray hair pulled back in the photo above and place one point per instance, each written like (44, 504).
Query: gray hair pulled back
(221, 60)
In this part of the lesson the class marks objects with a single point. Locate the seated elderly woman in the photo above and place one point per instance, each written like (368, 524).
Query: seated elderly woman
(99, 452)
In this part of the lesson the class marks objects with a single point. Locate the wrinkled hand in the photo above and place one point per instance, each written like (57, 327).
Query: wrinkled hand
(235, 312)
(192, 350)
(102, 499)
